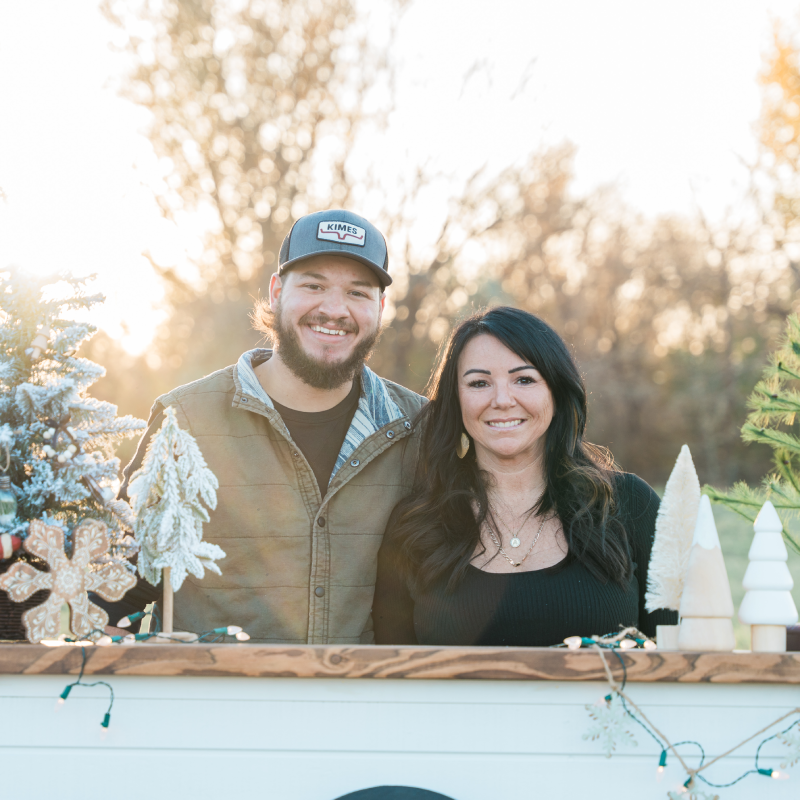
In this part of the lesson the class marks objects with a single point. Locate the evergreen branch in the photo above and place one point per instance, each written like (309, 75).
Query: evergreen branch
(768, 405)
(784, 463)
(771, 437)
(741, 499)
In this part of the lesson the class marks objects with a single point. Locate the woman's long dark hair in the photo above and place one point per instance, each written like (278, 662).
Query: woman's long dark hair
(435, 529)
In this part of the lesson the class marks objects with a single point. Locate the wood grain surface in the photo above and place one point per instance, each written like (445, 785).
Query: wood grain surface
(437, 663)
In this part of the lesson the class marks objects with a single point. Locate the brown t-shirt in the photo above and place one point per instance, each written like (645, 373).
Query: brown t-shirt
(319, 434)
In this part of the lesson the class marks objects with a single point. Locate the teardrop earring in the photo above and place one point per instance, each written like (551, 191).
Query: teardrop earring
(463, 446)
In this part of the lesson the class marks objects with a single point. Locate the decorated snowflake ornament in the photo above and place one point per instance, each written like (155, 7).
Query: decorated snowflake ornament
(68, 580)
(610, 729)
(792, 740)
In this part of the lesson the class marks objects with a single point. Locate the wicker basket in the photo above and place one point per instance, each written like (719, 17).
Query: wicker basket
(11, 627)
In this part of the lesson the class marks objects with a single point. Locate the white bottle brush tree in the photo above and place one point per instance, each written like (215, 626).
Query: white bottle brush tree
(669, 559)
(60, 440)
(167, 494)
(675, 523)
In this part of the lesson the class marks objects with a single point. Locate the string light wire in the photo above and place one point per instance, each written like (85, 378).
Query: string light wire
(666, 745)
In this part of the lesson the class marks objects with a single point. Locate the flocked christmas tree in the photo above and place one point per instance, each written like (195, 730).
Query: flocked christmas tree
(60, 441)
(675, 524)
(167, 494)
(773, 420)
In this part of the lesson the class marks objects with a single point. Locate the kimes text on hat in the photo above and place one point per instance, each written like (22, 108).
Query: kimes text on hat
(342, 232)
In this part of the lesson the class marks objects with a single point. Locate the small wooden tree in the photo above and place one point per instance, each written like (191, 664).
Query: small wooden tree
(706, 604)
(669, 560)
(166, 494)
(768, 606)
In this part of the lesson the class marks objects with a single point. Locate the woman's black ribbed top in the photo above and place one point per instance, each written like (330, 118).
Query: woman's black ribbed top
(525, 609)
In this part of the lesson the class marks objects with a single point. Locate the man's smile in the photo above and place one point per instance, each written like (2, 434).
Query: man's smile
(328, 331)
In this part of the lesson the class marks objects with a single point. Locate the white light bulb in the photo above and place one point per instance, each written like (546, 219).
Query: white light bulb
(129, 639)
(573, 642)
(242, 636)
(233, 630)
(627, 644)
(650, 645)
(62, 458)
(779, 776)
(104, 641)
(124, 623)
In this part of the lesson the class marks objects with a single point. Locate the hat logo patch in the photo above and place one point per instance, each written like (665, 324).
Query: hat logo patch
(342, 232)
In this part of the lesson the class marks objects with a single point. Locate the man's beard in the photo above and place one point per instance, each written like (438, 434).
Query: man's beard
(319, 374)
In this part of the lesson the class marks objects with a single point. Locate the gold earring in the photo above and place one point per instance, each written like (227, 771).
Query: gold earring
(463, 446)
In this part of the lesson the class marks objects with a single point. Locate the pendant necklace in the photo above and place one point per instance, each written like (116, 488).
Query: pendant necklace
(503, 552)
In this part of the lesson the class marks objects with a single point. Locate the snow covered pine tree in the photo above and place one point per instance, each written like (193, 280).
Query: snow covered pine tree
(61, 441)
(166, 492)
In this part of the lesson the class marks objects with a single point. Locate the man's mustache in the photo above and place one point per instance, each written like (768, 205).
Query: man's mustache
(324, 320)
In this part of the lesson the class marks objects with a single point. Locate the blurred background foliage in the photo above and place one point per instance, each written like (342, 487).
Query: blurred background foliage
(258, 108)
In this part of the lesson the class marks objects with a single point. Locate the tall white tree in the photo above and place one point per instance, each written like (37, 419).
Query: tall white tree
(675, 525)
(167, 494)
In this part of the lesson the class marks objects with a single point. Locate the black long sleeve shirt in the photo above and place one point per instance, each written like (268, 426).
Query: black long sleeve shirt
(525, 609)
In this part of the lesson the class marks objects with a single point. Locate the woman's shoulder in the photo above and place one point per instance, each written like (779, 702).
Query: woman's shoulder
(635, 496)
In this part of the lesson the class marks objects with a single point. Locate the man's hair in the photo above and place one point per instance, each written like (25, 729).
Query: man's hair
(263, 318)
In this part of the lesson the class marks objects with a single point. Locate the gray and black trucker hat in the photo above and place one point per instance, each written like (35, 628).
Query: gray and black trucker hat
(341, 232)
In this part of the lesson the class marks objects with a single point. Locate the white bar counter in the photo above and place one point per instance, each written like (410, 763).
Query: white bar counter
(316, 723)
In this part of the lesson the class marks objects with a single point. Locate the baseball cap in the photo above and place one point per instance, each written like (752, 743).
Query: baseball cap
(340, 232)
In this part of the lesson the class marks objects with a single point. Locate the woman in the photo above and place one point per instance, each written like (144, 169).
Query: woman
(519, 532)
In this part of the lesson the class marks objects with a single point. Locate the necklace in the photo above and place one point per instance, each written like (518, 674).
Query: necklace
(530, 549)
(515, 542)
(515, 536)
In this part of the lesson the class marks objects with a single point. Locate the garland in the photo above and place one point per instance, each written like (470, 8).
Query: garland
(610, 713)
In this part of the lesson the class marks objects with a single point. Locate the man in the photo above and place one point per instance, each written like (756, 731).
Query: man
(311, 449)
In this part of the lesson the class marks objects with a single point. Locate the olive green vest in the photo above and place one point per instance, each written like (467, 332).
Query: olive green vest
(299, 568)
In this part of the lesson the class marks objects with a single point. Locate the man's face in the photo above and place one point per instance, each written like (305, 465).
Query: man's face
(327, 318)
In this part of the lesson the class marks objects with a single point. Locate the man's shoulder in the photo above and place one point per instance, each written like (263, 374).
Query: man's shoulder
(219, 382)
(408, 401)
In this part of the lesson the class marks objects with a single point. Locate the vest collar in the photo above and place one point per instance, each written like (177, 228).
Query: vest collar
(376, 408)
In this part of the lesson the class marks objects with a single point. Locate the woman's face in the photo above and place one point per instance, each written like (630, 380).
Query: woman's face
(506, 406)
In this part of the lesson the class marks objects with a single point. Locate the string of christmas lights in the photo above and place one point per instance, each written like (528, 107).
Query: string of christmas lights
(618, 690)
(104, 640)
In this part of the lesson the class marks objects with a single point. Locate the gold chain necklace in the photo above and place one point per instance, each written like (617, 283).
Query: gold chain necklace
(514, 541)
(530, 549)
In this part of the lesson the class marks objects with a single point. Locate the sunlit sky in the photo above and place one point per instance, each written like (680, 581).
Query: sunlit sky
(659, 98)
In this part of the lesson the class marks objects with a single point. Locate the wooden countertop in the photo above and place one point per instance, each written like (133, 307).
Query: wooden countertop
(437, 663)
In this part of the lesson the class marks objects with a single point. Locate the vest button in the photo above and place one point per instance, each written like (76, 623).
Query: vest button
(319, 591)
(296, 455)
(321, 522)
(390, 434)
(355, 462)
(407, 426)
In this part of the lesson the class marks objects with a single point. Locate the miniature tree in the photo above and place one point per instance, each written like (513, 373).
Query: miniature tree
(775, 404)
(669, 560)
(706, 604)
(166, 493)
(767, 605)
(56, 442)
